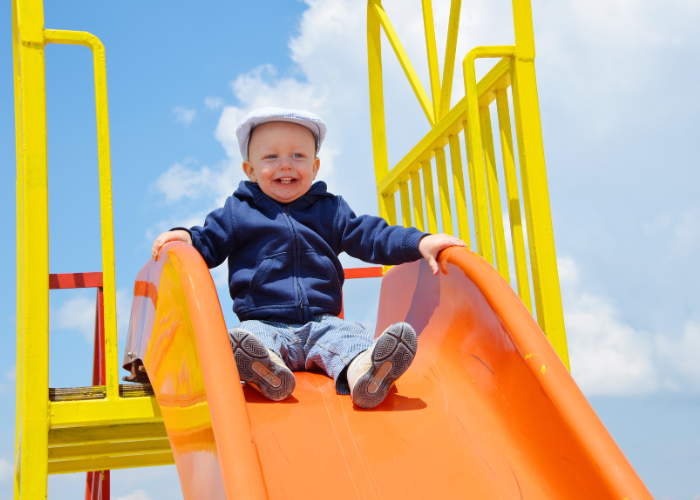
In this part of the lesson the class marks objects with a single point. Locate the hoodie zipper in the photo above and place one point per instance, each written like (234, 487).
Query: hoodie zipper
(295, 255)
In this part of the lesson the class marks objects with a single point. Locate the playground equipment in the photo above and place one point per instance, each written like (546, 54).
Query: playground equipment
(487, 410)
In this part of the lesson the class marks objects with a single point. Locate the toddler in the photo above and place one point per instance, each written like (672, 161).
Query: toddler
(282, 234)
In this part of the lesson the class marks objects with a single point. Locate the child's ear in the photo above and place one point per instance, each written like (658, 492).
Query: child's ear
(249, 171)
(316, 166)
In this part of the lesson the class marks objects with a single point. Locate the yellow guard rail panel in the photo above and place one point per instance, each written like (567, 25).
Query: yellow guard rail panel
(514, 73)
(67, 436)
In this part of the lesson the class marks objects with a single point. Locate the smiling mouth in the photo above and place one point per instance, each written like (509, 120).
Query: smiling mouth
(286, 181)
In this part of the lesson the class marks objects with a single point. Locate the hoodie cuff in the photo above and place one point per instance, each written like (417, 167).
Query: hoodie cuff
(410, 244)
(192, 236)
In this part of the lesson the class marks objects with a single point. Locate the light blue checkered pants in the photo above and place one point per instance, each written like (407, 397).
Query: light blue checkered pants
(327, 342)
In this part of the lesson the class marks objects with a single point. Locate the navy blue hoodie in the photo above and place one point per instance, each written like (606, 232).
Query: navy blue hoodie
(283, 258)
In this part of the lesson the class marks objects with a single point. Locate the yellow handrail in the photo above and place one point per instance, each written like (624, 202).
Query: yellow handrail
(106, 212)
(472, 115)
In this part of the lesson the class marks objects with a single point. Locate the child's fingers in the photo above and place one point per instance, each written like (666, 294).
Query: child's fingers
(456, 242)
(451, 241)
(433, 265)
(155, 251)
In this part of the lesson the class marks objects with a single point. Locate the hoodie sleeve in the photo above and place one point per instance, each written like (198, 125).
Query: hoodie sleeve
(371, 239)
(216, 240)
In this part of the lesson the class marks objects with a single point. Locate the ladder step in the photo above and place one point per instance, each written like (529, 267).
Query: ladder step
(98, 392)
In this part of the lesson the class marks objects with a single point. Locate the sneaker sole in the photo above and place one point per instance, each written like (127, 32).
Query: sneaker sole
(392, 356)
(256, 368)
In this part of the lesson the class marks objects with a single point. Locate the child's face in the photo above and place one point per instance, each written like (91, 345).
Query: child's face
(282, 160)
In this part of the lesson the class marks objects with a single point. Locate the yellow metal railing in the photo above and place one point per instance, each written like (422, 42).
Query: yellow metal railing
(106, 213)
(472, 116)
(114, 431)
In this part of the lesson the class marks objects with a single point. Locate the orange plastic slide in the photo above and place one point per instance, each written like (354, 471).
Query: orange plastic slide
(486, 411)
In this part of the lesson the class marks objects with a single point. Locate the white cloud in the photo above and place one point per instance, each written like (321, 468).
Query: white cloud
(686, 234)
(214, 102)
(607, 356)
(78, 313)
(179, 182)
(595, 54)
(136, 495)
(184, 115)
(683, 354)
(11, 374)
(184, 180)
(680, 232)
(610, 357)
(6, 470)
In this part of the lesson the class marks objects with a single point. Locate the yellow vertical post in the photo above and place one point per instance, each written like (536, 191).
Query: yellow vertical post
(444, 190)
(433, 65)
(450, 52)
(475, 159)
(499, 240)
(475, 162)
(417, 201)
(20, 238)
(543, 257)
(106, 219)
(516, 228)
(470, 168)
(387, 205)
(405, 205)
(33, 232)
(430, 212)
(460, 193)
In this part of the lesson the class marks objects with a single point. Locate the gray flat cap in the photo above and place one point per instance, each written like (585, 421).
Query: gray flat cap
(265, 115)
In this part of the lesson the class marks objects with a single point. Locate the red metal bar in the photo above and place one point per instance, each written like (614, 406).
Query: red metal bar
(101, 322)
(360, 272)
(97, 483)
(88, 486)
(75, 280)
(363, 272)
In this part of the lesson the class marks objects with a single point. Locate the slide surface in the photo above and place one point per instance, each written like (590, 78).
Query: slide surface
(486, 411)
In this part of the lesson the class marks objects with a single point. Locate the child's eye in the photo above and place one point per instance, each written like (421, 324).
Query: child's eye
(271, 156)
(297, 155)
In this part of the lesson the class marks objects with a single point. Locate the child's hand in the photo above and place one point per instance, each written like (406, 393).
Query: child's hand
(432, 244)
(177, 235)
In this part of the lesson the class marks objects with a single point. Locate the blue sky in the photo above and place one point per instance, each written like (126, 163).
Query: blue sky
(619, 106)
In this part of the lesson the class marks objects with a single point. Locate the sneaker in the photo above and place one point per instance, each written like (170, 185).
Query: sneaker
(259, 367)
(372, 373)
